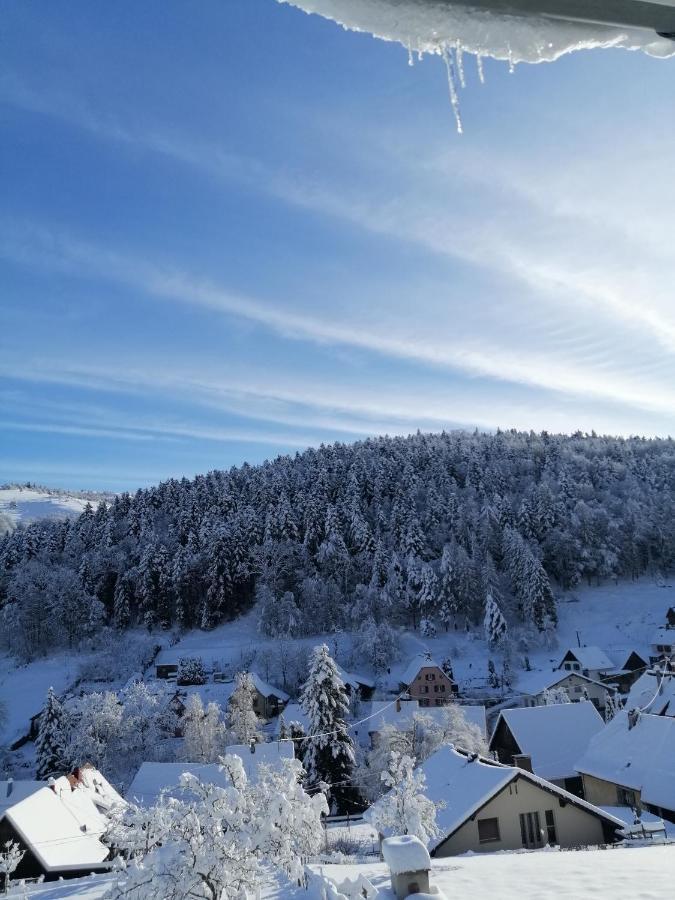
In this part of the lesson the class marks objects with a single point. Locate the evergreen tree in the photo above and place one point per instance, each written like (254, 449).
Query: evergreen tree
(494, 623)
(52, 739)
(329, 757)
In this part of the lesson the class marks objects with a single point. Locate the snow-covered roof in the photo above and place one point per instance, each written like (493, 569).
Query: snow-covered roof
(267, 690)
(210, 656)
(653, 692)
(553, 736)
(534, 683)
(293, 713)
(416, 663)
(663, 637)
(153, 778)
(57, 834)
(12, 792)
(261, 754)
(405, 853)
(590, 658)
(639, 758)
(103, 795)
(355, 680)
(466, 782)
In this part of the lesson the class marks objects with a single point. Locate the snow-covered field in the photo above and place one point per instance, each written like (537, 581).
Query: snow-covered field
(23, 689)
(25, 505)
(644, 873)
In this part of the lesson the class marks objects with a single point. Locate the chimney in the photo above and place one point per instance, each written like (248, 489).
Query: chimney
(398, 704)
(523, 761)
(10, 786)
(633, 718)
(252, 746)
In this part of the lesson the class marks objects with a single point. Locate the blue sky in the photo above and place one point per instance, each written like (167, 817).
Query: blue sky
(231, 230)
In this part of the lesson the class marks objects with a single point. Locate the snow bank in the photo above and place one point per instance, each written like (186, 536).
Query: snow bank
(434, 26)
(405, 853)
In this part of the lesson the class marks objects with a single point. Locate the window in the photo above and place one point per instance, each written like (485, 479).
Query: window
(578, 689)
(551, 837)
(488, 830)
(435, 689)
(626, 797)
(439, 702)
(530, 830)
(442, 689)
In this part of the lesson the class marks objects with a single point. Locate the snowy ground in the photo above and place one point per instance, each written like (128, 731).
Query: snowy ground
(27, 505)
(23, 689)
(642, 873)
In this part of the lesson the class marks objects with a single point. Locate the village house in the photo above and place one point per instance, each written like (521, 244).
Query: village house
(662, 645)
(358, 686)
(654, 692)
(490, 807)
(425, 681)
(547, 740)
(630, 763)
(589, 661)
(268, 701)
(624, 676)
(533, 688)
(58, 825)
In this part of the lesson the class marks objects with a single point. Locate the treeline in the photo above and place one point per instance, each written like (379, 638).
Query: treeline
(418, 530)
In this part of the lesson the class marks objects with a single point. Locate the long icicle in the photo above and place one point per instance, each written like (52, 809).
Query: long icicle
(459, 59)
(452, 88)
(479, 65)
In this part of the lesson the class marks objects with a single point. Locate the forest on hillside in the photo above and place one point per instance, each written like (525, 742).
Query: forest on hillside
(425, 531)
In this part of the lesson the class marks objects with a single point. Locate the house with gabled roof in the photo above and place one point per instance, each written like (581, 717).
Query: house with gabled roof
(356, 684)
(547, 740)
(662, 645)
(268, 700)
(592, 662)
(490, 806)
(624, 676)
(533, 688)
(59, 831)
(631, 763)
(425, 681)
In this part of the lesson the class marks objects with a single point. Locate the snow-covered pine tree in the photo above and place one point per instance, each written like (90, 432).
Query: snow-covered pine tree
(329, 756)
(243, 725)
(494, 623)
(52, 739)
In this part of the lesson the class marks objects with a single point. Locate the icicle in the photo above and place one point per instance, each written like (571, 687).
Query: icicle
(459, 59)
(479, 65)
(452, 87)
(512, 67)
(411, 61)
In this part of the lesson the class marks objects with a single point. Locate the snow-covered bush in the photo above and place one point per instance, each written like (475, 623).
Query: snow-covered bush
(216, 842)
(191, 671)
(10, 857)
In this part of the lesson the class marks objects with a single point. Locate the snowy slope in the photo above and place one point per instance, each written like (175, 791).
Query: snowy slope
(25, 505)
